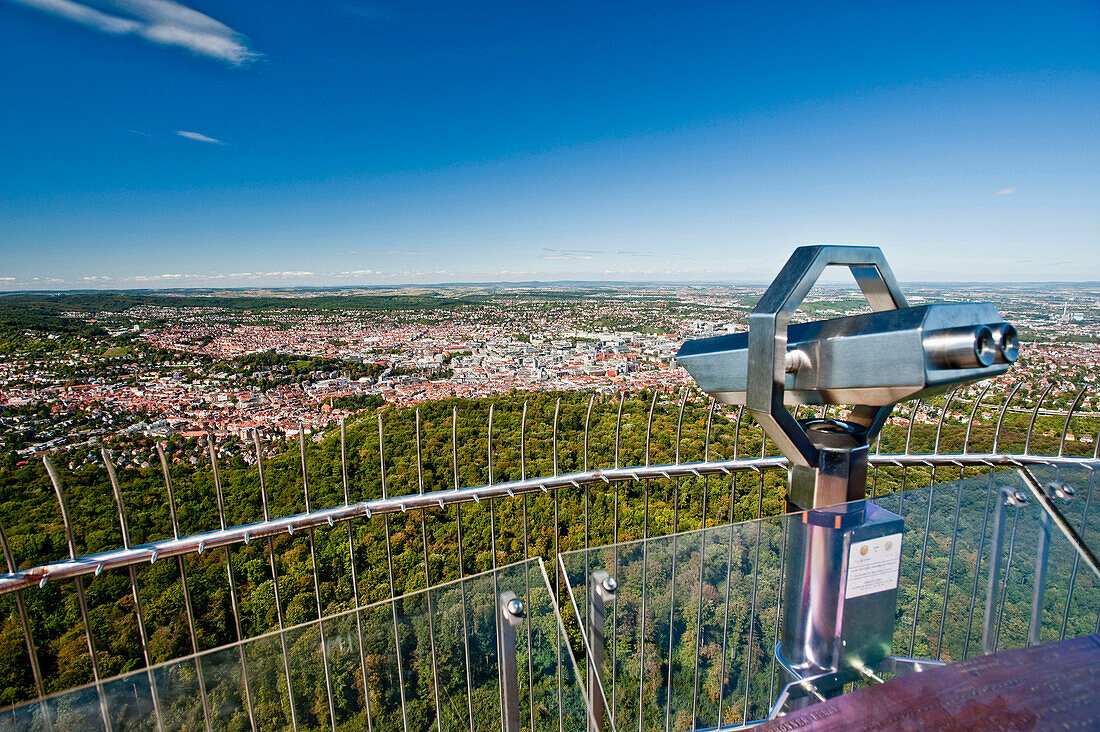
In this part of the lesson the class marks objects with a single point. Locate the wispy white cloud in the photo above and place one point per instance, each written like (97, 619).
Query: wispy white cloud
(163, 22)
(584, 254)
(168, 277)
(1006, 191)
(175, 277)
(199, 137)
(557, 250)
(416, 273)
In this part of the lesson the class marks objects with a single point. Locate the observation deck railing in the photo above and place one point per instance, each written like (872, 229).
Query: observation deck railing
(349, 582)
(689, 640)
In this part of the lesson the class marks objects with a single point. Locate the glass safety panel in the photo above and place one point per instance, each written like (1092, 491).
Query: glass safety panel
(687, 638)
(435, 659)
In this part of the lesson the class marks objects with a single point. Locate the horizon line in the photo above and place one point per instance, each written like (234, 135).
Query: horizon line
(528, 283)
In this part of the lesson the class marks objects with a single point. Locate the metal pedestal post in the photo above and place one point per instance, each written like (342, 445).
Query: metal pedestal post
(840, 591)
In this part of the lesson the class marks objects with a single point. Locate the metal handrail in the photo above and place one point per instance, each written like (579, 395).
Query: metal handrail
(151, 552)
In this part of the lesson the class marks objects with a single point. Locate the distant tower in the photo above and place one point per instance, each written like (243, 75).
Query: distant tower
(1065, 312)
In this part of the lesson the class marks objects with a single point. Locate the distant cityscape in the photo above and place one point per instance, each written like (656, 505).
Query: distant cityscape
(156, 370)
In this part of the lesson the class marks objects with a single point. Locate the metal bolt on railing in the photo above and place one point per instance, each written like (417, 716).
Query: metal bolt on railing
(511, 616)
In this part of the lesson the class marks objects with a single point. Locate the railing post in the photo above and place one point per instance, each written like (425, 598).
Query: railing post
(511, 611)
(1041, 554)
(602, 592)
(1054, 489)
(1005, 497)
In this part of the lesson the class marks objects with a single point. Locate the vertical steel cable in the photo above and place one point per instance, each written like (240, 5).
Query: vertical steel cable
(672, 588)
(874, 470)
(973, 413)
(492, 502)
(492, 512)
(778, 608)
(615, 561)
(1076, 555)
(1069, 416)
(493, 565)
(679, 429)
(427, 579)
(648, 434)
(939, 424)
(461, 571)
(779, 592)
(527, 565)
(618, 426)
(989, 490)
(920, 571)
(188, 609)
(760, 479)
(1034, 415)
(908, 441)
(354, 575)
(32, 653)
(645, 563)
(1096, 456)
(587, 420)
(275, 587)
(232, 582)
(702, 564)
(905, 468)
(978, 561)
(1001, 416)
(928, 523)
(389, 567)
(59, 491)
(736, 440)
(950, 567)
(755, 575)
(985, 518)
(143, 635)
(557, 563)
(1008, 569)
(316, 580)
(955, 526)
(729, 570)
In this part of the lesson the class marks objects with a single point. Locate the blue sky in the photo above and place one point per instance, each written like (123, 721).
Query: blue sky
(147, 143)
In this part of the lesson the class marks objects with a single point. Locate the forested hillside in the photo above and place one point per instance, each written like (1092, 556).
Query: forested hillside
(32, 520)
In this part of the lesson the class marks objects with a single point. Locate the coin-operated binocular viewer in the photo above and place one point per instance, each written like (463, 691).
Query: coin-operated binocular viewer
(840, 592)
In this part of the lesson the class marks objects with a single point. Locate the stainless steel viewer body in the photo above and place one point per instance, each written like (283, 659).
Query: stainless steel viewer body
(876, 359)
(840, 594)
